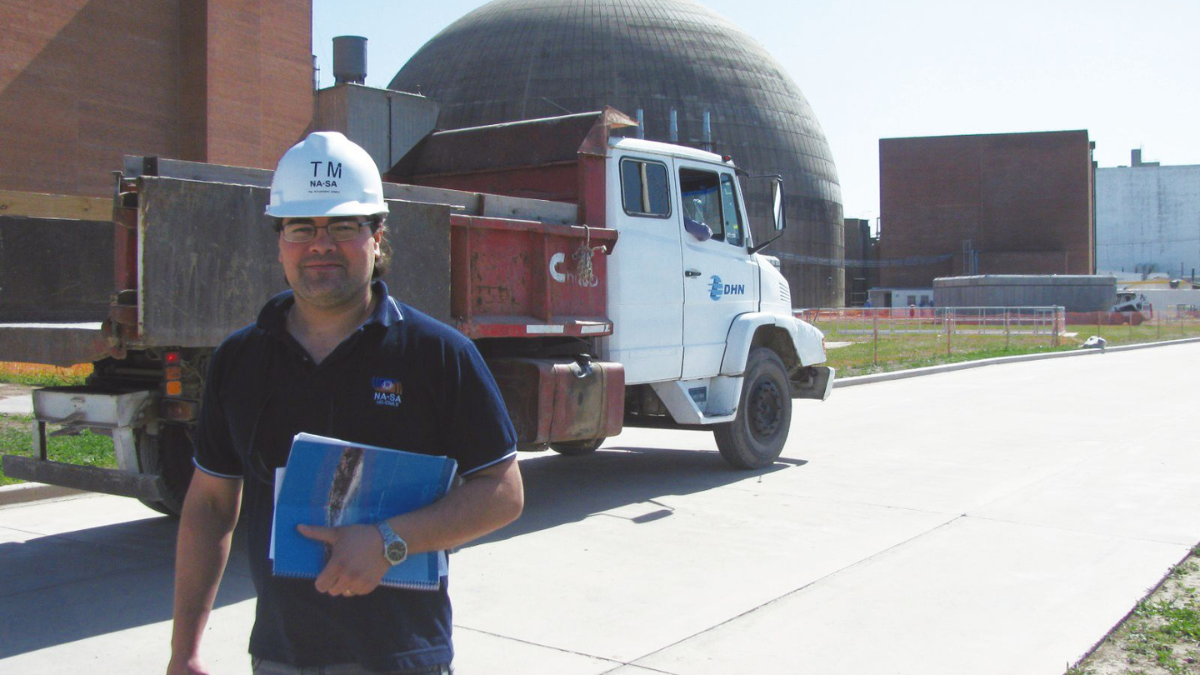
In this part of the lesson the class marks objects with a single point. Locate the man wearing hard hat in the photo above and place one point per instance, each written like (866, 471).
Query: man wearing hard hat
(316, 361)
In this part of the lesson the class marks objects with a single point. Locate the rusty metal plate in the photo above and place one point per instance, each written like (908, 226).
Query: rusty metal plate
(209, 259)
(55, 270)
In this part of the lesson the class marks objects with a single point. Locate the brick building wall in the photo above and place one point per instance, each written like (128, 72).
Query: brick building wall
(85, 82)
(1023, 201)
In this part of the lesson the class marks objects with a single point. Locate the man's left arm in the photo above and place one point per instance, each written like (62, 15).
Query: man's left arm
(490, 498)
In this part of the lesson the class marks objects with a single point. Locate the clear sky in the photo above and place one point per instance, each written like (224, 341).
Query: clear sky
(1127, 71)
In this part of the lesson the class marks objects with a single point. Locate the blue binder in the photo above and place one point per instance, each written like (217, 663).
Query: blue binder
(332, 482)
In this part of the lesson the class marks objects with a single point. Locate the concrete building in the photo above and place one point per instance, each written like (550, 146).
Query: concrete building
(862, 261)
(1148, 219)
(698, 80)
(84, 83)
(901, 297)
(1075, 293)
(985, 204)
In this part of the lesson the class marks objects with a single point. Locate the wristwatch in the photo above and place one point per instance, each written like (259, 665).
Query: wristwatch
(394, 548)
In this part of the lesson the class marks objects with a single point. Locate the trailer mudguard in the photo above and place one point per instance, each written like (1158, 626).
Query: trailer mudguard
(805, 338)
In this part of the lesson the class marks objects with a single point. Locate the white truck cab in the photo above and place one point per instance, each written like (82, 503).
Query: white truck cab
(698, 317)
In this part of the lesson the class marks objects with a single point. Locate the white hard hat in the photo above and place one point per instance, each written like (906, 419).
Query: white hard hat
(326, 174)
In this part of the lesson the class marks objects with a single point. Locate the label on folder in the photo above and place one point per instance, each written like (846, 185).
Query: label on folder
(331, 482)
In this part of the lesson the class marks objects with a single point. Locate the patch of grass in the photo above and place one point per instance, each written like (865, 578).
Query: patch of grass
(1147, 332)
(16, 438)
(1162, 634)
(903, 351)
(39, 375)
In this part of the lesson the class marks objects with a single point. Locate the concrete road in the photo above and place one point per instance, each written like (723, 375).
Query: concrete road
(997, 520)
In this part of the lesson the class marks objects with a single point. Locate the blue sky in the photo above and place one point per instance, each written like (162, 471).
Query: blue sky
(1127, 71)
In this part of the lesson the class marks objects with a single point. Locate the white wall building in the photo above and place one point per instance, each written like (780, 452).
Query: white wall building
(1148, 219)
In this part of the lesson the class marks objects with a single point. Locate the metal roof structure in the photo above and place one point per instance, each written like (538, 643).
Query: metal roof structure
(525, 59)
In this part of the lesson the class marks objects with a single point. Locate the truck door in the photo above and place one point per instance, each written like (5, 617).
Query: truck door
(721, 281)
(645, 285)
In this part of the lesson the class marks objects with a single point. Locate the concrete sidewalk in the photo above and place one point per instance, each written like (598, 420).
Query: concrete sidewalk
(990, 521)
(15, 399)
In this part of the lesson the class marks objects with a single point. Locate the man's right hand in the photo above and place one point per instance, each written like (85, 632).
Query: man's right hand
(190, 666)
(210, 513)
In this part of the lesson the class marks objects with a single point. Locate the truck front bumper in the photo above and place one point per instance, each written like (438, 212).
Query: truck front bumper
(815, 382)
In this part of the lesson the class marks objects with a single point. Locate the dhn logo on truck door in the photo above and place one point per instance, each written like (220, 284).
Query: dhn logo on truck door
(719, 289)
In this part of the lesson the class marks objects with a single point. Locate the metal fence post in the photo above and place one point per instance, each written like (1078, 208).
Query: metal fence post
(948, 331)
(875, 341)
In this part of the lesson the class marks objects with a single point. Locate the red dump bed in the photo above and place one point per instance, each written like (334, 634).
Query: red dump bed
(519, 278)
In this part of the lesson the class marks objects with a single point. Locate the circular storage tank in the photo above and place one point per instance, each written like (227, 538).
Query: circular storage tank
(524, 59)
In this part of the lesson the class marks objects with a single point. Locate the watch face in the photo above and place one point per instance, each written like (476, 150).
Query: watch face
(396, 552)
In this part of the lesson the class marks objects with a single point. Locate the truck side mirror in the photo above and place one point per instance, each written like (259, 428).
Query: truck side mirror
(778, 212)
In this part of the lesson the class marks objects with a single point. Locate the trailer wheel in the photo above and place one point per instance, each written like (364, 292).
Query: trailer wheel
(576, 448)
(755, 438)
(168, 454)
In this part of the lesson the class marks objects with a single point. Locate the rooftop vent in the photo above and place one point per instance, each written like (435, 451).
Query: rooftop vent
(349, 59)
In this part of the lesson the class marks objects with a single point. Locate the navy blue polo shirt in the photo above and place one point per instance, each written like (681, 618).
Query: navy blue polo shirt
(403, 380)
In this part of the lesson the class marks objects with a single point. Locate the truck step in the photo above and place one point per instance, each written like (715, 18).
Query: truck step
(91, 478)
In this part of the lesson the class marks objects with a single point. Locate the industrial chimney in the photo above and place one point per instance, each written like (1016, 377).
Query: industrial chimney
(349, 59)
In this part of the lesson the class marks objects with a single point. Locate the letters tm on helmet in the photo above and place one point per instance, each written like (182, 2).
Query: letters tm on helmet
(326, 175)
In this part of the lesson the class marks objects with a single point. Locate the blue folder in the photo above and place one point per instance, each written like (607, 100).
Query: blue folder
(332, 482)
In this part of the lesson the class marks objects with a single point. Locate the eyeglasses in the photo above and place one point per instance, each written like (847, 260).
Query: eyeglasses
(341, 230)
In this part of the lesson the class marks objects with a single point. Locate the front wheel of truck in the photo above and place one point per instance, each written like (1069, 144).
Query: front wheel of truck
(168, 454)
(576, 448)
(755, 438)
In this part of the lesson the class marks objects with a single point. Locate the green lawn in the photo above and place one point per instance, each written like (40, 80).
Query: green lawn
(16, 438)
(902, 351)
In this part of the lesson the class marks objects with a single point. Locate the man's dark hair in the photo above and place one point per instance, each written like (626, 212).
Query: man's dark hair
(385, 248)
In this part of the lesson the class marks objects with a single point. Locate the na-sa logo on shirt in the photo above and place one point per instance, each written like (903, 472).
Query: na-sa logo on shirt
(387, 391)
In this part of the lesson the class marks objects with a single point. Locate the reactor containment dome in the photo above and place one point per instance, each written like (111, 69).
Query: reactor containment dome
(675, 61)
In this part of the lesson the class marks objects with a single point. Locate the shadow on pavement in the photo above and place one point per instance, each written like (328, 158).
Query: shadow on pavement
(57, 589)
(560, 490)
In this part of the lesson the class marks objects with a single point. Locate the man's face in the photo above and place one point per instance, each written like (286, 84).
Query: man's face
(324, 272)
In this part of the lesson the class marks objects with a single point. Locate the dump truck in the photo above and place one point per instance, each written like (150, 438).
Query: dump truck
(608, 281)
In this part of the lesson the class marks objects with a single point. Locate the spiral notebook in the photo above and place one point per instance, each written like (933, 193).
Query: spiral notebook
(332, 482)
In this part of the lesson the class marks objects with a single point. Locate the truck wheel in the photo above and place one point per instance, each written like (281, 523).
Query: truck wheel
(576, 448)
(168, 454)
(755, 438)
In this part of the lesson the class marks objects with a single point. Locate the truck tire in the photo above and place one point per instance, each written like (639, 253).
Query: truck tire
(576, 448)
(168, 454)
(755, 438)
